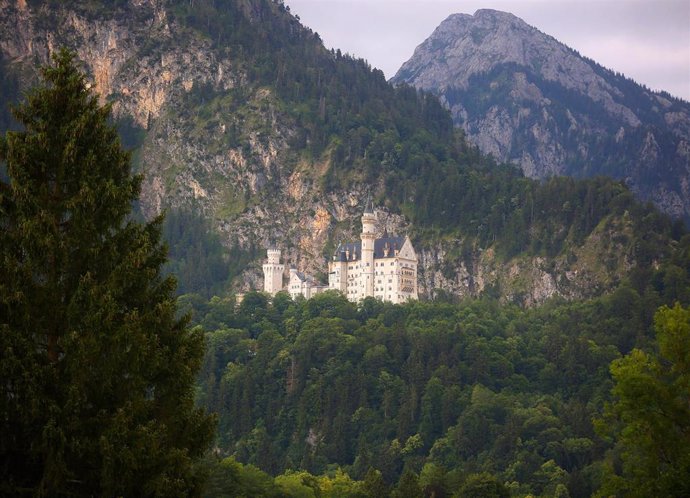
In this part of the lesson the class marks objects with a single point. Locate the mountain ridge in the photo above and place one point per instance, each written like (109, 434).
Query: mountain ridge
(238, 113)
(549, 110)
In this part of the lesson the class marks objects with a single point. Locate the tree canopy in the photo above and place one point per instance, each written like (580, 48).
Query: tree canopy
(430, 395)
(650, 414)
(97, 372)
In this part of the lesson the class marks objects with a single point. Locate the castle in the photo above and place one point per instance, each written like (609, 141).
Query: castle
(385, 268)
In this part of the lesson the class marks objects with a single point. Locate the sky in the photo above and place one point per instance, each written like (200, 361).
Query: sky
(647, 40)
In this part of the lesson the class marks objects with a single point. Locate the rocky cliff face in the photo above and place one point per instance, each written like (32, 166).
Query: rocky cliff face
(526, 98)
(210, 138)
(155, 71)
(201, 148)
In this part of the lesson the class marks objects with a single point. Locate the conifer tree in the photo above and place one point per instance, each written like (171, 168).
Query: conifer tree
(96, 373)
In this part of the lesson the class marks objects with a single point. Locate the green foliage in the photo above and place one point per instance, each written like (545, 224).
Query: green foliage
(440, 390)
(230, 478)
(408, 486)
(131, 134)
(650, 416)
(374, 485)
(433, 481)
(10, 89)
(198, 260)
(97, 389)
(482, 485)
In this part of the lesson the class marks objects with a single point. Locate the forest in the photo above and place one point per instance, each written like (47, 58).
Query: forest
(434, 396)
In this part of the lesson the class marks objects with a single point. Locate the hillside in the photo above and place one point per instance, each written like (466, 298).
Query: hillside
(526, 98)
(249, 132)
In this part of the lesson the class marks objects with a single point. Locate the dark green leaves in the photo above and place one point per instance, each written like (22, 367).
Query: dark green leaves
(650, 415)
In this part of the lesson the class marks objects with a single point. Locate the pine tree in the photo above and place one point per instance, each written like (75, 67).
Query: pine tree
(96, 373)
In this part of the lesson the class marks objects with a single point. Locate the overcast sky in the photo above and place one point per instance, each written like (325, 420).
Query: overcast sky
(647, 40)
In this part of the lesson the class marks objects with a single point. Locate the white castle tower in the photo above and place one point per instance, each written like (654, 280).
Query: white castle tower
(273, 272)
(368, 239)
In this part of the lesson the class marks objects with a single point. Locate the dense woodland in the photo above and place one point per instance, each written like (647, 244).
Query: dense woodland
(430, 392)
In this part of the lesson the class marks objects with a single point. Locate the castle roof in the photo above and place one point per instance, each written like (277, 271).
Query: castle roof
(380, 246)
(368, 206)
(303, 277)
(300, 275)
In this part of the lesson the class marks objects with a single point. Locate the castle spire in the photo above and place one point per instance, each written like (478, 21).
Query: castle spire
(368, 206)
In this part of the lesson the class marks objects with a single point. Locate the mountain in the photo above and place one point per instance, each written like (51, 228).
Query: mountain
(526, 98)
(249, 132)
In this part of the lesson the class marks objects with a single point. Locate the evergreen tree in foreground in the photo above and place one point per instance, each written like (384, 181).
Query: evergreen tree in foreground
(96, 373)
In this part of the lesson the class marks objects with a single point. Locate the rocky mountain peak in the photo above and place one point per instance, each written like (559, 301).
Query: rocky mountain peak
(526, 98)
(464, 45)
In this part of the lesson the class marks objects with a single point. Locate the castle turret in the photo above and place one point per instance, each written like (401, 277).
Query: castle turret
(273, 272)
(337, 270)
(368, 239)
